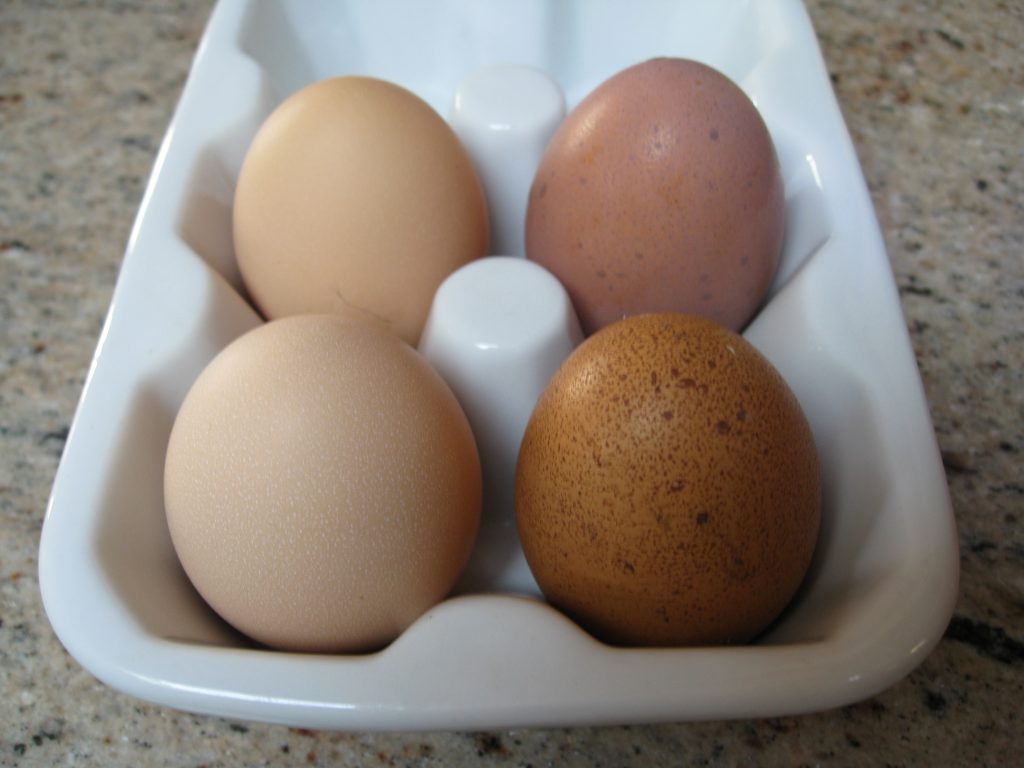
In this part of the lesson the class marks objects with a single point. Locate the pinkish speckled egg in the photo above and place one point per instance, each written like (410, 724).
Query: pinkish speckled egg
(661, 191)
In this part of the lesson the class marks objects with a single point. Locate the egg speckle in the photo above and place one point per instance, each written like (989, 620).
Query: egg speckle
(668, 490)
(322, 485)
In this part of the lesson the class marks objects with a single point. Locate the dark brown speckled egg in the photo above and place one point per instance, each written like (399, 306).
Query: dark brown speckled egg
(668, 490)
(660, 191)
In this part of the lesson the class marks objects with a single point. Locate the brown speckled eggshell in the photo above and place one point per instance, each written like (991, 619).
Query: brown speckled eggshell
(661, 191)
(668, 490)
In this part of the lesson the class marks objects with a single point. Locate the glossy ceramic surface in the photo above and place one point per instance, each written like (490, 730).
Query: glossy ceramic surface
(884, 579)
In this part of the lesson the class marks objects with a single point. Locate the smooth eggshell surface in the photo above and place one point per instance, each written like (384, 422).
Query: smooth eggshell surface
(668, 490)
(322, 485)
(356, 198)
(661, 191)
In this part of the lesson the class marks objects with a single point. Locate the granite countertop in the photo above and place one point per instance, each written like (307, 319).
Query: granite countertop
(933, 94)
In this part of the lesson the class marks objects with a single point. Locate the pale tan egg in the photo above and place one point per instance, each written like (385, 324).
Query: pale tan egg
(668, 490)
(322, 485)
(356, 198)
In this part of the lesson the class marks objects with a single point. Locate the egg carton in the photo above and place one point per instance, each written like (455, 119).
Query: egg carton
(883, 581)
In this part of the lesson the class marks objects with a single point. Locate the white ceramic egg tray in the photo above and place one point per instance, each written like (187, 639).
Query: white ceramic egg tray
(884, 578)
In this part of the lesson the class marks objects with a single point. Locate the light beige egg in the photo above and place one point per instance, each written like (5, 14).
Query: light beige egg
(322, 485)
(356, 198)
(668, 490)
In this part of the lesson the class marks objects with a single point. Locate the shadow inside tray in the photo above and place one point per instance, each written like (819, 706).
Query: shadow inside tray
(133, 543)
(205, 220)
(860, 538)
(269, 36)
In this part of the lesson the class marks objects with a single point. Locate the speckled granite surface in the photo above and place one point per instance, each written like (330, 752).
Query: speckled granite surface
(934, 97)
